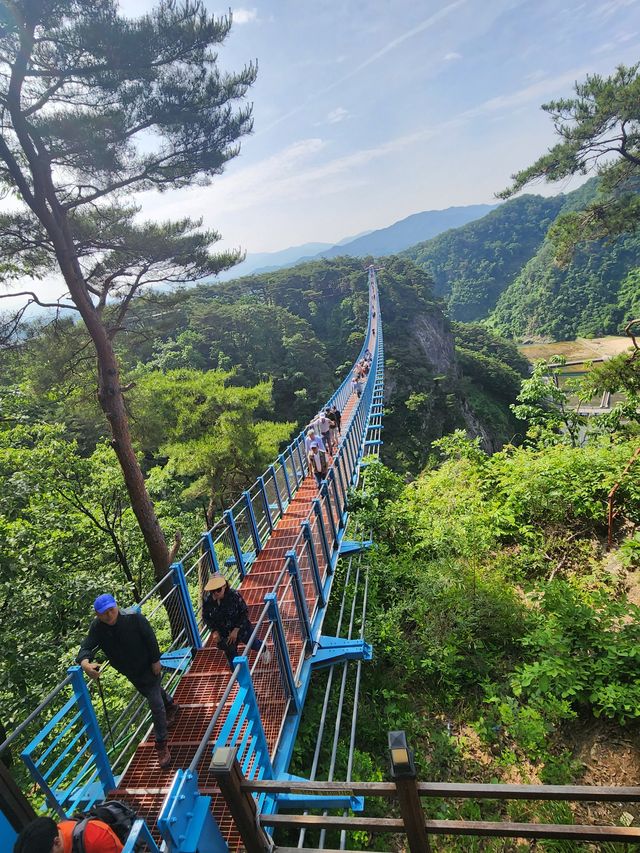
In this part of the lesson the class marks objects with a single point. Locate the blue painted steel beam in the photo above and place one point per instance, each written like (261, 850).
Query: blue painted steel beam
(186, 822)
(209, 548)
(272, 471)
(286, 476)
(317, 508)
(265, 502)
(327, 801)
(298, 595)
(177, 660)
(333, 650)
(350, 546)
(190, 620)
(282, 650)
(313, 559)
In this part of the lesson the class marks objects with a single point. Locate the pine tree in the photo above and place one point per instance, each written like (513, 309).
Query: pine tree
(599, 131)
(96, 106)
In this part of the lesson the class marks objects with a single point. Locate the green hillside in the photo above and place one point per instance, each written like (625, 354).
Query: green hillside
(471, 266)
(503, 268)
(594, 295)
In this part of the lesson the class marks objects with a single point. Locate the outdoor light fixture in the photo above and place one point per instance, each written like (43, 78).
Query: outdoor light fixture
(402, 764)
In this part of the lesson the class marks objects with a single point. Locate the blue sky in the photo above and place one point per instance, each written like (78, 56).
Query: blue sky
(367, 111)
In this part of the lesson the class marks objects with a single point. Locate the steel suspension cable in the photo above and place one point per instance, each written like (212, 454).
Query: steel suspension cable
(343, 684)
(327, 695)
(356, 697)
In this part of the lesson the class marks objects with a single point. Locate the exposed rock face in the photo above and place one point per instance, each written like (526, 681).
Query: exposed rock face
(435, 340)
(433, 334)
(476, 429)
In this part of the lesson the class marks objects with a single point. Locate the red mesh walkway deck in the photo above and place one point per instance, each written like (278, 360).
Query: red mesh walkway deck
(144, 785)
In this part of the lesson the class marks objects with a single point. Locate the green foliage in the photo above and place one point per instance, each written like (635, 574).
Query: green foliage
(594, 291)
(68, 534)
(584, 298)
(545, 407)
(210, 430)
(488, 605)
(585, 654)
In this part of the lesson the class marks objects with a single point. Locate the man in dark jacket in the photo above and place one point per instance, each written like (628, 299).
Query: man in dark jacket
(131, 647)
(226, 614)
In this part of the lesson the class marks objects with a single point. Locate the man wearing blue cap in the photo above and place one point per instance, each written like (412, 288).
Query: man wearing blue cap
(130, 645)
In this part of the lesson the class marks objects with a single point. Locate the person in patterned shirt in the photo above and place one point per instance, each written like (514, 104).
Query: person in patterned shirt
(226, 615)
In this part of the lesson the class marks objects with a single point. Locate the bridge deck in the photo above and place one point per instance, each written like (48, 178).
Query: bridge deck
(144, 785)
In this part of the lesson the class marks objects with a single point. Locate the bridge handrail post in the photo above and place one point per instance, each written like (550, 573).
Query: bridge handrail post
(354, 452)
(186, 822)
(245, 682)
(324, 491)
(350, 455)
(253, 524)
(301, 456)
(281, 648)
(315, 569)
(272, 471)
(338, 467)
(283, 462)
(235, 541)
(188, 613)
(316, 503)
(295, 467)
(94, 733)
(210, 549)
(299, 596)
(339, 504)
(265, 501)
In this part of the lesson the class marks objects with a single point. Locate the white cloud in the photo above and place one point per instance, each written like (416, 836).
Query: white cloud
(337, 115)
(452, 55)
(610, 8)
(548, 87)
(244, 16)
(391, 45)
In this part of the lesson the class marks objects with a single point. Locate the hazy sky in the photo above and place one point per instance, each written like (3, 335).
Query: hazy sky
(369, 110)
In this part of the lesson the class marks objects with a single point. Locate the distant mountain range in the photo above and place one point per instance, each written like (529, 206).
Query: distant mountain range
(383, 241)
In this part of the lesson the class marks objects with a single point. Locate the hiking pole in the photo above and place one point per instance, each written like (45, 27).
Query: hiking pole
(106, 714)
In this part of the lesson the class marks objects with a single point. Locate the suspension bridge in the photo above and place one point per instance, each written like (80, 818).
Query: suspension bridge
(279, 544)
(230, 784)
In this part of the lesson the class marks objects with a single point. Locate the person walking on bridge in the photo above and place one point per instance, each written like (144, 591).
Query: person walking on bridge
(127, 640)
(318, 463)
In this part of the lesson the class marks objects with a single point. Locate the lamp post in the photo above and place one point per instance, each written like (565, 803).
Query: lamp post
(403, 773)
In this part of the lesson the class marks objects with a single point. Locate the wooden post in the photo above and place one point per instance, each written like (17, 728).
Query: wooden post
(412, 815)
(403, 773)
(13, 803)
(229, 776)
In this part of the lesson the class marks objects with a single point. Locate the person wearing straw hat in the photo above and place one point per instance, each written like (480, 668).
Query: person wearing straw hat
(129, 643)
(226, 614)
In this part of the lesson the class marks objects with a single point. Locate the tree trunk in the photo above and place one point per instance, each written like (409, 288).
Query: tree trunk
(44, 202)
(112, 403)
